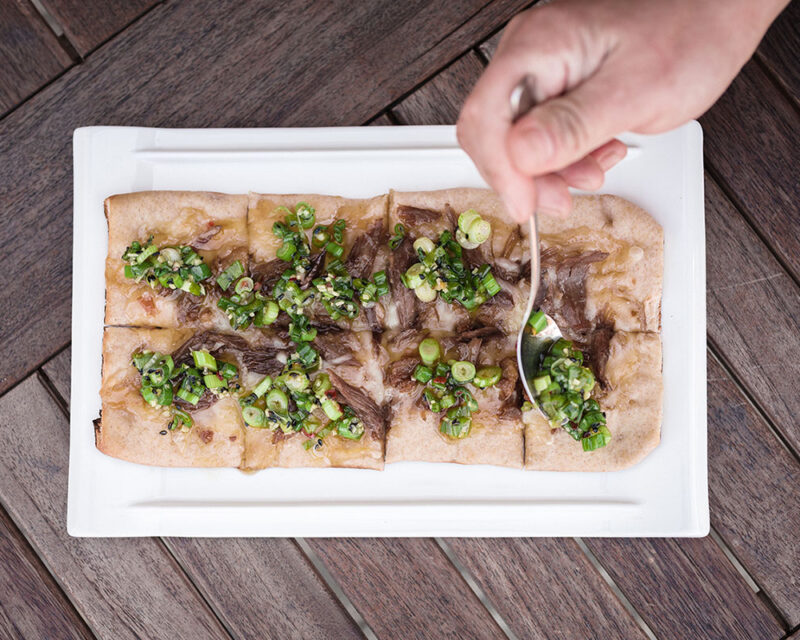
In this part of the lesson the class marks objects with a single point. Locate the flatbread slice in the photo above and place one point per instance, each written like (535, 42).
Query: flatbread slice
(428, 213)
(365, 243)
(132, 430)
(633, 406)
(354, 363)
(623, 289)
(214, 224)
(496, 435)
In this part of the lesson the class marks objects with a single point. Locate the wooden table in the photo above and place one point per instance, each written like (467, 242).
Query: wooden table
(338, 62)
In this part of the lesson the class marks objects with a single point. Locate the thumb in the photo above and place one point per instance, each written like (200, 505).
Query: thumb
(563, 130)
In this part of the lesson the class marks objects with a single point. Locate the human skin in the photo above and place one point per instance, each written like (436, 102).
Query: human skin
(599, 67)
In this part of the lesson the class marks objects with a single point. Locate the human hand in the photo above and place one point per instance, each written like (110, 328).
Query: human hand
(599, 67)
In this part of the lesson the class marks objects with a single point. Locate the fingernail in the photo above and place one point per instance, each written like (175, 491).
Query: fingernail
(531, 147)
(611, 156)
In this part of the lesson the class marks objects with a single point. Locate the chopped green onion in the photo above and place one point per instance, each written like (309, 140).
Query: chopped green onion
(204, 360)
(213, 381)
(429, 351)
(434, 403)
(415, 275)
(479, 231)
(305, 215)
(526, 406)
(321, 384)
(492, 288)
(228, 370)
(336, 250)
(462, 371)
(263, 386)
(487, 377)
(537, 321)
(424, 244)
(596, 440)
(278, 402)
(464, 240)
(319, 237)
(337, 230)
(422, 373)
(382, 283)
(541, 383)
(331, 408)
(350, 427)
(297, 380)
(231, 273)
(397, 238)
(286, 251)
(466, 219)
(244, 285)
(254, 417)
(188, 395)
(425, 292)
(180, 419)
(269, 313)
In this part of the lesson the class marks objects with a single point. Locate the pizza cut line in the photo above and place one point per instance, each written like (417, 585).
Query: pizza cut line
(258, 331)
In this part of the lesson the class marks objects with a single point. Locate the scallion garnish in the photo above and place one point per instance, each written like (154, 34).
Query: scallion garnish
(397, 238)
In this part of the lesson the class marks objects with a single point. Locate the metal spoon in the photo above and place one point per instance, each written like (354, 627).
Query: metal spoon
(530, 347)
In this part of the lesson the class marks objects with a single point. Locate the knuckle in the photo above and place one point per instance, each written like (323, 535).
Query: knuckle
(571, 130)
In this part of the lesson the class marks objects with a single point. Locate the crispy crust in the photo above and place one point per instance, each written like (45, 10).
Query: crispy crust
(130, 428)
(171, 217)
(633, 411)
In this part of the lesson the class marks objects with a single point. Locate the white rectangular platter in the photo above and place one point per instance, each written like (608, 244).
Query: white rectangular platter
(665, 495)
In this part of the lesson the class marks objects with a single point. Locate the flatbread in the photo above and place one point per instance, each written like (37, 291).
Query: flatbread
(626, 287)
(363, 370)
(172, 218)
(449, 203)
(633, 413)
(363, 216)
(130, 429)
(414, 430)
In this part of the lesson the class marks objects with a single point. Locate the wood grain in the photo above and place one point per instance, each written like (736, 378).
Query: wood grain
(30, 55)
(779, 49)
(202, 64)
(31, 604)
(406, 588)
(535, 582)
(750, 139)
(263, 587)
(88, 23)
(685, 588)
(489, 46)
(124, 588)
(58, 372)
(753, 484)
(439, 100)
(753, 313)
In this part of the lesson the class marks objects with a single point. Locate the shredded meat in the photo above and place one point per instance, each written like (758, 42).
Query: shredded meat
(511, 242)
(257, 359)
(597, 350)
(365, 248)
(407, 339)
(204, 237)
(480, 332)
(317, 267)
(267, 273)
(562, 293)
(189, 307)
(334, 344)
(452, 216)
(412, 216)
(404, 299)
(206, 435)
(373, 416)
(398, 374)
(492, 312)
(508, 383)
(371, 316)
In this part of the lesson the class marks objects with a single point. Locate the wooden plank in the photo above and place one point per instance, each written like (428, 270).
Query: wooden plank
(88, 23)
(753, 313)
(202, 64)
(249, 582)
(406, 587)
(30, 55)
(439, 100)
(31, 604)
(685, 588)
(488, 47)
(750, 139)
(58, 371)
(534, 584)
(779, 49)
(753, 482)
(124, 588)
